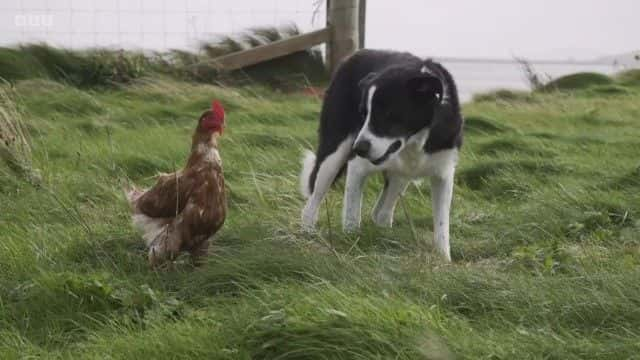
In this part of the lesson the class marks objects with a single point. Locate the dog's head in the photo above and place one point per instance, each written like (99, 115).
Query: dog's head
(395, 104)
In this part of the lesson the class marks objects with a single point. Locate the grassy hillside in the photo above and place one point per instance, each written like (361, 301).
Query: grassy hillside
(545, 242)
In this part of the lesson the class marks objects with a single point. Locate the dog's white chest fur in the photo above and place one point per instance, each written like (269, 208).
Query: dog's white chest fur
(413, 162)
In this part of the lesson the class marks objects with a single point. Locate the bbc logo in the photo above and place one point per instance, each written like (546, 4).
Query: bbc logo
(33, 21)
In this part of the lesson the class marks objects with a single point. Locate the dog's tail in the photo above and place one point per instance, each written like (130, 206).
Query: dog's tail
(308, 163)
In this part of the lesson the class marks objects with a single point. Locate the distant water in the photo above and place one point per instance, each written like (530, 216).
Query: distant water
(479, 77)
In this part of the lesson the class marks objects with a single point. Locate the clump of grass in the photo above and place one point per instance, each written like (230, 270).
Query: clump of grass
(282, 72)
(578, 81)
(534, 79)
(106, 67)
(515, 146)
(15, 150)
(628, 78)
(483, 125)
(180, 64)
(608, 90)
(588, 83)
(504, 95)
(16, 65)
(90, 68)
(342, 324)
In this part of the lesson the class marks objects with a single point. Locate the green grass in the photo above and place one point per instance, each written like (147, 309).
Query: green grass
(545, 242)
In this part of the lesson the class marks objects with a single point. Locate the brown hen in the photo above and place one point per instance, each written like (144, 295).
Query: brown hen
(186, 208)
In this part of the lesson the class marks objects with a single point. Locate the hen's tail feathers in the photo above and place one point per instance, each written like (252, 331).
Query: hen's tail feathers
(158, 235)
(308, 162)
(132, 194)
(164, 242)
(151, 228)
(157, 252)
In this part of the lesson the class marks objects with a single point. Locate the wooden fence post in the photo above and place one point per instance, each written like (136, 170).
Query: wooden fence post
(342, 20)
(362, 22)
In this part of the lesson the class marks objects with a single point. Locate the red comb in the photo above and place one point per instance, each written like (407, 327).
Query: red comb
(218, 110)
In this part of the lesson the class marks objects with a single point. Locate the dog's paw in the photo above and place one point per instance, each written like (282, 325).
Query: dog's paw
(350, 226)
(445, 255)
(308, 221)
(383, 219)
(307, 228)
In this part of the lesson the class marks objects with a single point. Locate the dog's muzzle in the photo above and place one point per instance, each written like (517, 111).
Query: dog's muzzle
(361, 148)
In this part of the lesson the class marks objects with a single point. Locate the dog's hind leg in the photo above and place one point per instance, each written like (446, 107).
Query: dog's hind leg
(394, 186)
(357, 172)
(441, 195)
(328, 169)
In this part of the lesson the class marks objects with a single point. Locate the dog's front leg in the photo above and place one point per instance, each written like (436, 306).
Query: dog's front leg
(441, 195)
(394, 186)
(357, 173)
(328, 169)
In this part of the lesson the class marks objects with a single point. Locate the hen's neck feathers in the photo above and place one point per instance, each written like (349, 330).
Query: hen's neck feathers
(204, 148)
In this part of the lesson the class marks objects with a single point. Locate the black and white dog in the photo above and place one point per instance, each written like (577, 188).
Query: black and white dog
(394, 113)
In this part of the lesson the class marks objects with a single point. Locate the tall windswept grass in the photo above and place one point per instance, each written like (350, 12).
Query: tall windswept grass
(535, 80)
(545, 231)
(15, 151)
(81, 68)
(103, 68)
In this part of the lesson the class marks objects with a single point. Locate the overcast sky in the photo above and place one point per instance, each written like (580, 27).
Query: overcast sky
(535, 29)
(502, 28)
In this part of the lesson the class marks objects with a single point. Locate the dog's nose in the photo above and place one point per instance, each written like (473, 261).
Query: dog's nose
(362, 148)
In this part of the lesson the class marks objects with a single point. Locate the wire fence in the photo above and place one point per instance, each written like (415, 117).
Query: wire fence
(146, 24)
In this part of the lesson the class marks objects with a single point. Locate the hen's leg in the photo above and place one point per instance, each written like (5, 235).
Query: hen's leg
(199, 253)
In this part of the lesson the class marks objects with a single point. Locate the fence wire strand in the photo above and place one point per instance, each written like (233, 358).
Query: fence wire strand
(145, 24)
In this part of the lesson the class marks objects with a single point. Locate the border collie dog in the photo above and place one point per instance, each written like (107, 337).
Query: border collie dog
(393, 113)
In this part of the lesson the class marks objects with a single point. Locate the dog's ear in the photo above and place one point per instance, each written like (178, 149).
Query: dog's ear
(425, 87)
(366, 81)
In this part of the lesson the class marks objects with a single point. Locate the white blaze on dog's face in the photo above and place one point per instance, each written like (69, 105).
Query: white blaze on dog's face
(378, 146)
(395, 106)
